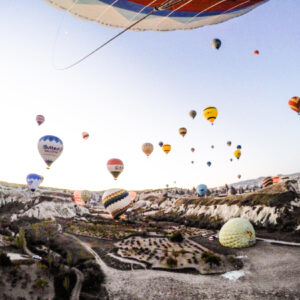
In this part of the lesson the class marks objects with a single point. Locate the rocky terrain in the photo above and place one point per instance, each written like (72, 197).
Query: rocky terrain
(164, 247)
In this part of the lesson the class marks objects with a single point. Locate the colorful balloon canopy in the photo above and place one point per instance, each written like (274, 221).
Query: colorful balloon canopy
(208, 163)
(216, 43)
(229, 143)
(237, 153)
(267, 181)
(256, 52)
(193, 149)
(210, 113)
(77, 198)
(166, 148)
(115, 166)
(201, 190)
(147, 148)
(193, 114)
(33, 181)
(85, 135)
(50, 148)
(182, 131)
(294, 104)
(160, 144)
(166, 15)
(116, 201)
(40, 119)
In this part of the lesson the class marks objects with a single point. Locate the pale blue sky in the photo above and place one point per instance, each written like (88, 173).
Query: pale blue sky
(140, 89)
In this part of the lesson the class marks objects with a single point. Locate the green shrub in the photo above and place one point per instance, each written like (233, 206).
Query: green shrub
(171, 262)
(176, 237)
(210, 258)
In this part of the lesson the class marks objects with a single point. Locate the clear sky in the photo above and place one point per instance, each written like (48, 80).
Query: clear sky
(140, 89)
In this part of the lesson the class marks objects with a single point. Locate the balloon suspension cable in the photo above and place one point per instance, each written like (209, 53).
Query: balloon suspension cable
(165, 5)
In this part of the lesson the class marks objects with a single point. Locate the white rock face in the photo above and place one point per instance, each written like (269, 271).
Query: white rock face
(48, 209)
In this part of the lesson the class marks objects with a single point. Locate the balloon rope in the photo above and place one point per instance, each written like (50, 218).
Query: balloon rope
(165, 5)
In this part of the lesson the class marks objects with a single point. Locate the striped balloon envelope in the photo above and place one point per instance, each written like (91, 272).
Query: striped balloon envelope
(182, 131)
(156, 15)
(267, 181)
(116, 201)
(294, 104)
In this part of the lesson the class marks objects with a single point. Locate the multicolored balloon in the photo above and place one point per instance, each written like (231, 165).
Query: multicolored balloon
(115, 166)
(147, 148)
(267, 181)
(50, 148)
(210, 113)
(33, 181)
(166, 148)
(193, 114)
(216, 43)
(182, 131)
(237, 153)
(85, 135)
(294, 104)
(40, 119)
(116, 201)
(201, 190)
(165, 15)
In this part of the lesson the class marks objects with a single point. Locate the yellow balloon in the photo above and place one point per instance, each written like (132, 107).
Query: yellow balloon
(237, 153)
(147, 148)
(210, 113)
(182, 131)
(166, 148)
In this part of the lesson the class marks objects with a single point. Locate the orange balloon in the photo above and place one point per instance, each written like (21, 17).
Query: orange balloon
(132, 195)
(294, 104)
(256, 52)
(85, 135)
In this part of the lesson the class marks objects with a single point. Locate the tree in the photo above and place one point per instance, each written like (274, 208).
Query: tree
(21, 239)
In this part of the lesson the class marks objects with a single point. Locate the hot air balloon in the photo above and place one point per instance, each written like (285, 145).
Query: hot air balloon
(231, 159)
(160, 144)
(182, 131)
(33, 181)
(50, 148)
(267, 181)
(239, 176)
(256, 52)
(276, 179)
(216, 43)
(116, 201)
(237, 233)
(166, 148)
(229, 143)
(294, 104)
(193, 114)
(132, 195)
(86, 195)
(201, 190)
(237, 153)
(210, 113)
(147, 148)
(77, 198)
(208, 163)
(40, 119)
(193, 149)
(85, 135)
(192, 161)
(115, 166)
(166, 15)
(238, 147)
(212, 146)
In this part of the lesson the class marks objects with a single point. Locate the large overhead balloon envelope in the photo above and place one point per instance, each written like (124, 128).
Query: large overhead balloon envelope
(50, 148)
(185, 14)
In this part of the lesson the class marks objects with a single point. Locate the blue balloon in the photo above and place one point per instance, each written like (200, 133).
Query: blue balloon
(238, 147)
(33, 181)
(209, 163)
(201, 190)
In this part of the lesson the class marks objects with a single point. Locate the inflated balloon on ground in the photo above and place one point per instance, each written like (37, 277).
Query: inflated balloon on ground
(201, 190)
(237, 233)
